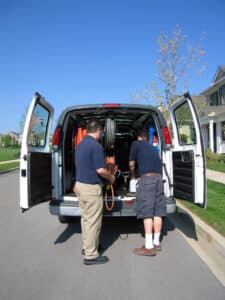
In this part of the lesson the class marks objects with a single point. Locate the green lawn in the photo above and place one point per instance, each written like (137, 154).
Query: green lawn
(7, 166)
(213, 165)
(9, 153)
(214, 214)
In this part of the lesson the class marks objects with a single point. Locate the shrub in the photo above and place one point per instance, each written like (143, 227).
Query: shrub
(215, 157)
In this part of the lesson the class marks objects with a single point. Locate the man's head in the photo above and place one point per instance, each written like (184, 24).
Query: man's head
(143, 134)
(94, 128)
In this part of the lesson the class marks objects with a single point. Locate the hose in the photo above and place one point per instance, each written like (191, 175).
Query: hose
(110, 130)
(108, 187)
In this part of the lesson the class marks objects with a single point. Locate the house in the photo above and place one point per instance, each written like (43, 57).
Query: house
(213, 123)
(15, 138)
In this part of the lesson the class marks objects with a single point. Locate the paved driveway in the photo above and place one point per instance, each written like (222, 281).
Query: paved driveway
(40, 259)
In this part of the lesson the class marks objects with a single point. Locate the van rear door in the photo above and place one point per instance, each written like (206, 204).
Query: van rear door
(188, 152)
(35, 157)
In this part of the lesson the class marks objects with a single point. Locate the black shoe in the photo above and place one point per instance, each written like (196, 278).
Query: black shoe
(96, 261)
(100, 249)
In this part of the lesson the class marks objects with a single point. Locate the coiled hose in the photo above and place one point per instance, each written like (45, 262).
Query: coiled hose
(110, 131)
(108, 187)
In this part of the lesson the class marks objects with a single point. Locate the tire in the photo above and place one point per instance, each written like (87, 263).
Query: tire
(67, 219)
(64, 219)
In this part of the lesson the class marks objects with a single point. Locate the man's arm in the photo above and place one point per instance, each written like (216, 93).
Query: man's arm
(132, 168)
(103, 172)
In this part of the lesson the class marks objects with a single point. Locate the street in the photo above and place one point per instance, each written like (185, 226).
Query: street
(41, 259)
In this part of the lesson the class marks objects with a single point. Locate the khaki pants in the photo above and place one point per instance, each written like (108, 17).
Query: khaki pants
(91, 205)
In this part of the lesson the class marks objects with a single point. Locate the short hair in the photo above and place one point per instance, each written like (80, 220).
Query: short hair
(93, 125)
(143, 132)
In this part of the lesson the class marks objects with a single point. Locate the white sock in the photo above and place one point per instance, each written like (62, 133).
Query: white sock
(148, 241)
(156, 238)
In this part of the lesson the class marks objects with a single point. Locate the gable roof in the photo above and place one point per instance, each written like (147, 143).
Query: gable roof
(220, 73)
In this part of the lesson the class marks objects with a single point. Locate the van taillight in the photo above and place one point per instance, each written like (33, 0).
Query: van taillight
(56, 136)
(166, 134)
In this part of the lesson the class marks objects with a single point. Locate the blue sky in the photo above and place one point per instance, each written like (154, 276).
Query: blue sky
(75, 51)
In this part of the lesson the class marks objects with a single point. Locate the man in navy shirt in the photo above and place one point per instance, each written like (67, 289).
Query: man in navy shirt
(90, 169)
(150, 203)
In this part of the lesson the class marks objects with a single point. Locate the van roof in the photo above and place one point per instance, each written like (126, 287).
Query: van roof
(112, 110)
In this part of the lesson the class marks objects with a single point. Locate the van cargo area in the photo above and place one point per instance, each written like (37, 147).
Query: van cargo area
(119, 129)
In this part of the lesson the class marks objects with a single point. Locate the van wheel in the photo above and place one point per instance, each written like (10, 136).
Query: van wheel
(64, 219)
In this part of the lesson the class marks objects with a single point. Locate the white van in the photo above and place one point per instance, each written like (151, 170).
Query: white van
(48, 171)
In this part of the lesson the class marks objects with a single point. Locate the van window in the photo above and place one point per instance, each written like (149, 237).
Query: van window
(38, 127)
(185, 125)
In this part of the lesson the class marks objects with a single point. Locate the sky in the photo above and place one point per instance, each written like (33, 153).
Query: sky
(94, 51)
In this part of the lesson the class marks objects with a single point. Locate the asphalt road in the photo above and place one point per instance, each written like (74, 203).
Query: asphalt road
(41, 259)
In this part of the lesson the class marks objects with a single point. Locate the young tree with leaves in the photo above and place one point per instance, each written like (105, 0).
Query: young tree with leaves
(177, 59)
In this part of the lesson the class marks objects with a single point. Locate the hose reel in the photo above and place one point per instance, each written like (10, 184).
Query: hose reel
(110, 132)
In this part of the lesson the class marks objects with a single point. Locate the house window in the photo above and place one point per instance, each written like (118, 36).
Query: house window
(223, 131)
(223, 94)
(214, 99)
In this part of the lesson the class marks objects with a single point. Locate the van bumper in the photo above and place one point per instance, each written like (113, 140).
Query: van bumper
(170, 205)
(64, 208)
(120, 209)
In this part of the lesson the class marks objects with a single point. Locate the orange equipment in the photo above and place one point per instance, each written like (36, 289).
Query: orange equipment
(111, 165)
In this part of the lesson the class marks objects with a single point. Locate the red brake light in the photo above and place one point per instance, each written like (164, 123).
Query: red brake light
(111, 104)
(56, 136)
(166, 134)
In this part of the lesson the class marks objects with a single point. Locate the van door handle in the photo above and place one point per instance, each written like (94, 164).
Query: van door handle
(23, 173)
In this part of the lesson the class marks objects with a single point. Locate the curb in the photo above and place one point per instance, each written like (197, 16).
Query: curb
(207, 242)
(9, 170)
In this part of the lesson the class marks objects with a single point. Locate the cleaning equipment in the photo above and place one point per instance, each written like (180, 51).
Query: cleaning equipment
(151, 131)
(81, 132)
(133, 185)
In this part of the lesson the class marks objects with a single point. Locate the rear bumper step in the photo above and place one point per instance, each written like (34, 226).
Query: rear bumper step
(121, 208)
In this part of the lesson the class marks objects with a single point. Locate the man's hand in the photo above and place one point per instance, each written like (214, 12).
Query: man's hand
(132, 168)
(112, 179)
(106, 174)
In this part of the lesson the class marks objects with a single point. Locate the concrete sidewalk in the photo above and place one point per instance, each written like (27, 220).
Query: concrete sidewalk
(215, 175)
(9, 161)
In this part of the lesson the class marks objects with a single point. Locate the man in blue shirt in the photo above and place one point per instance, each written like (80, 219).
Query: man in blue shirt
(150, 203)
(90, 169)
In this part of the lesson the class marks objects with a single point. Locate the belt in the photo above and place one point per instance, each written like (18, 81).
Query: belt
(150, 174)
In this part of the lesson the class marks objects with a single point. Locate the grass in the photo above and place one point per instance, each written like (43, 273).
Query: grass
(214, 214)
(9, 153)
(217, 166)
(7, 166)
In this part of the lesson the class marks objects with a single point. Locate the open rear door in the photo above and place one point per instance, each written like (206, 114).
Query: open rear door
(35, 157)
(188, 152)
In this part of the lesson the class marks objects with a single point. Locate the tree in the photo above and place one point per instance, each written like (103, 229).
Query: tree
(177, 58)
(6, 140)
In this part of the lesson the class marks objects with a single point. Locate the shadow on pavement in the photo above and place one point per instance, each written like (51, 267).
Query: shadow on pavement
(72, 228)
(113, 229)
(184, 222)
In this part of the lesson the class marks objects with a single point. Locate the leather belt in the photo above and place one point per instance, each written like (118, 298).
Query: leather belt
(150, 174)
